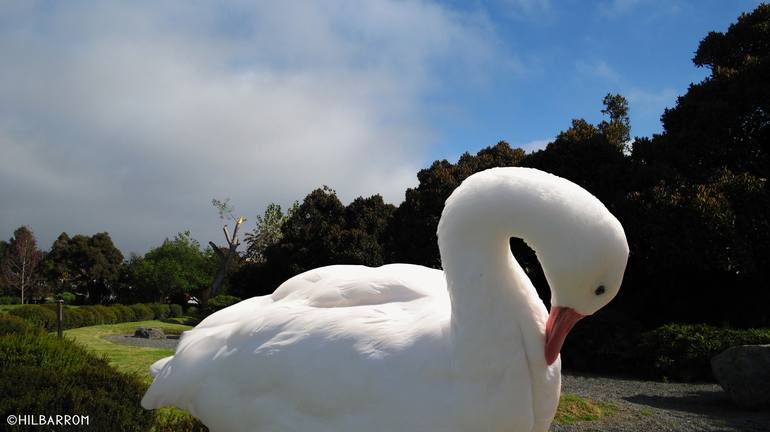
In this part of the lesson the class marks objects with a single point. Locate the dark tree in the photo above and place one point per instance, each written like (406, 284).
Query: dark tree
(411, 237)
(86, 265)
(20, 263)
(175, 270)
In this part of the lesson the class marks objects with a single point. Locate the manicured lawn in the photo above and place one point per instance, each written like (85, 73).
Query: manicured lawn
(133, 359)
(125, 358)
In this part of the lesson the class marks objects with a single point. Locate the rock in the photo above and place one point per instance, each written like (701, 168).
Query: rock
(744, 372)
(149, 333)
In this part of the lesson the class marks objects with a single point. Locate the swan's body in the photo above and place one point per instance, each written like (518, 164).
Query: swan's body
(399, 347)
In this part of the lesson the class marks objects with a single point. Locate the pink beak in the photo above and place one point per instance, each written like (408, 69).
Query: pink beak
(560, 322)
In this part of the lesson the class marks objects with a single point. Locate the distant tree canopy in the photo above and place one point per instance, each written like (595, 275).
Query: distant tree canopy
(267, 231)
(85, 265)
(175, 269)
(319, 231)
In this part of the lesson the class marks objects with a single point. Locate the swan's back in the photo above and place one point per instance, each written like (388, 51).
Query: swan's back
(316, 351)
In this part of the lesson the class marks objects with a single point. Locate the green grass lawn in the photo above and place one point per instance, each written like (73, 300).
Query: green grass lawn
(574, 409)
(136, 360)
(125, 358)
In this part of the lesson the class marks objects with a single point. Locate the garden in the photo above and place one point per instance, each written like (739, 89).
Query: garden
(685, 345)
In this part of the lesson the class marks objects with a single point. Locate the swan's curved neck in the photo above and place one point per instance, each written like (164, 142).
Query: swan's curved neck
(493, 301)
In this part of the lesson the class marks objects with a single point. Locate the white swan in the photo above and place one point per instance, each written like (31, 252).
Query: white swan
(408, 348)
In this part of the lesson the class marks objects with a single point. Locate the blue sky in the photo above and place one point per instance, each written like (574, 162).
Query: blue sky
(568, 55)
(129, 117)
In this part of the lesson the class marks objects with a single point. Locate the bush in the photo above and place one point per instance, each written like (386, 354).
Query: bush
(10, 324)
(124, 313)
(142, 312)
(159, 310)
(221, 301)
(42, 374)
(106, 314)
(67, 296)
(72, 318)
(36, 315)
(684, 351)
(175, 310)
(192, 310)
(87, 316)
(7, 300)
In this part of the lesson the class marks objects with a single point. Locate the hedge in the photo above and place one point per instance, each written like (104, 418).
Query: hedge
(44, 316)
(610, 344)
(160, 310)
(142, 312)
(7, 300)
(36, 315)
(684, 351)
(42, 374)
(221, 301)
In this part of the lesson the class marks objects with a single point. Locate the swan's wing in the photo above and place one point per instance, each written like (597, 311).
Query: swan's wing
(341, 286)
(345, 286)
(316, 324)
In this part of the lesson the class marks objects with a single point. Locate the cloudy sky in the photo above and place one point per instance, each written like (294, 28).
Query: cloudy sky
(129, 117)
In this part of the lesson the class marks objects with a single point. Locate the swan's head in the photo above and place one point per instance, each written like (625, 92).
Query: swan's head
(580, 244)
(584, 266)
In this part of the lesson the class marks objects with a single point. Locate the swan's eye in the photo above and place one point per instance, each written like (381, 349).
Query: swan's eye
(599, 290)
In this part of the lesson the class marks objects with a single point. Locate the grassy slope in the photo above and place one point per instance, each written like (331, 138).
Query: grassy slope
(133, 359)
(126, 358)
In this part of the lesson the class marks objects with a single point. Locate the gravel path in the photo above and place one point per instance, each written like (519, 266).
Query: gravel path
(657, 406)
(149, 343)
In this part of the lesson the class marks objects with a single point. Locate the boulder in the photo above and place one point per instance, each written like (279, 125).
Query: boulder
(149, 333)
(744, 372)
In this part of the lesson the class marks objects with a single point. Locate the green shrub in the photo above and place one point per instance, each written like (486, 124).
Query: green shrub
(221, 301)
(7, 300)
(42, 374)
(142, 312)
(683, 351)
(159, 310)
(107, 315)
(97, 317)
(87, 316)
(192, 310)
(67, 296)
(10, 324)
(72, 318)
(123, 313)
(175, 310)
(37, 315)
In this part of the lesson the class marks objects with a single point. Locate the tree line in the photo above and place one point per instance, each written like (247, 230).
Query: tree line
(693, 199)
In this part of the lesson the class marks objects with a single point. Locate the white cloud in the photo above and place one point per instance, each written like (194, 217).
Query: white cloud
(654, 8)
(599, 69)
(535, 145)
(129, 117)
